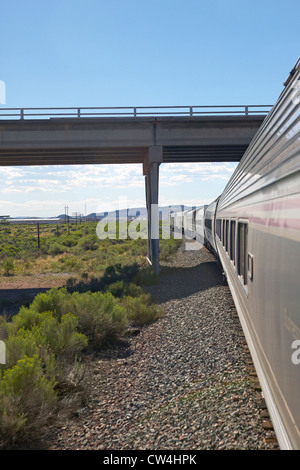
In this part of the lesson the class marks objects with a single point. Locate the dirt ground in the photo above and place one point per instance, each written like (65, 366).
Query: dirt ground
(16, 291)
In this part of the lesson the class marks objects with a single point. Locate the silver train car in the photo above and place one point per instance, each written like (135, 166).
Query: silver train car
(190, 223)
(254, 230)
(209, 226)
(199, 224)
(177, 221)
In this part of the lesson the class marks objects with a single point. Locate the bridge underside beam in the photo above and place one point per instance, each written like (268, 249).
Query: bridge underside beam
(204, 153)
(117, 155)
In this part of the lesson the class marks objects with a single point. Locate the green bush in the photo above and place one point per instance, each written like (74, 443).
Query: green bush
(146, 277)
(99, 315)
(50, 301)
(90, 242)
(31, 332)
(61, 338)
(55, 249)
(140, 310)
(26, 318)
(168, 248)
(40, 352)
(121, 288)
(68, 240)
(19, 346)
(27, 399)
(8, 250)
(8, 267)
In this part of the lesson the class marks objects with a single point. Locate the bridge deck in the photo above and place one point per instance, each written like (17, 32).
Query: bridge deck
(64, 141)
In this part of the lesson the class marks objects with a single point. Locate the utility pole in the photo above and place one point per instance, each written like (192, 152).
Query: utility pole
(67, 218)
(38, 233)
(76, 214)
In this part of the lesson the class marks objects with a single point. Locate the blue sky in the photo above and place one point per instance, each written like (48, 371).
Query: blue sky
(137, 53)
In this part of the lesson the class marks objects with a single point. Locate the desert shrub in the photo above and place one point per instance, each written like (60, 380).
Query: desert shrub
(117, 288)
(121, 288)
(17, 347)
(118, 272)
(140, 310)
(145, 277)
(41, 333)
(55, 249)
(52, 301)
(168, 247)
(27, 399)
(100, 317)
(41, 349)
(8, 267)
(68, 263)
(60, 337)
(26, 318)
(133, 290)
(90, 242)
(8, 250)
(68, 240)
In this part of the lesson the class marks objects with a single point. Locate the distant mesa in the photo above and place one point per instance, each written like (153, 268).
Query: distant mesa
(132, 213)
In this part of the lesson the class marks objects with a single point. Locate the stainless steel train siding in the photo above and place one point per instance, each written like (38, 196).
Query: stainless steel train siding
(199, 224)
(209, 225)
(258, 243)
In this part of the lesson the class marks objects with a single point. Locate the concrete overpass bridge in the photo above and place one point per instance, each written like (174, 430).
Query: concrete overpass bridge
(146, 135)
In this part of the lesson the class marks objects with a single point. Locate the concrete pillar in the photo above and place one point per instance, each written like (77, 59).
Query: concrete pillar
(151, 172)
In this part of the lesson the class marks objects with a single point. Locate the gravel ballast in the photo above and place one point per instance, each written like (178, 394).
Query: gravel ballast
(186, 382)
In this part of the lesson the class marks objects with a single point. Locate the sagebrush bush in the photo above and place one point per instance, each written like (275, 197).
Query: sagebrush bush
(61, 337)
(27, 399)
(26, 318)
(99, 315)
(140, 310)
(18, 346)
(50, 301)
(55, 249)
(120, 289)
(8, 267)
(145, 277)
(41, 348)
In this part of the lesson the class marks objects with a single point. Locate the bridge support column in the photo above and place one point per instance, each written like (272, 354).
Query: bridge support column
(151, 172)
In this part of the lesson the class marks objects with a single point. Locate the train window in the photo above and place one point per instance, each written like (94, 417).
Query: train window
(232, 240)
(227, 235)
(208, 224)
(242, 250)
(223, 232)
(218, 228)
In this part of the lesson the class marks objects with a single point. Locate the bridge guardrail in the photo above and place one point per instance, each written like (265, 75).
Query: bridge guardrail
(134, 111)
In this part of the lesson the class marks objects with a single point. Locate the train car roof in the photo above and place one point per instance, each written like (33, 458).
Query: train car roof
(292, 72)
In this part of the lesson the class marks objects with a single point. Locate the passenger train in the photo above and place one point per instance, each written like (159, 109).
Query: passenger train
(253, 228)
